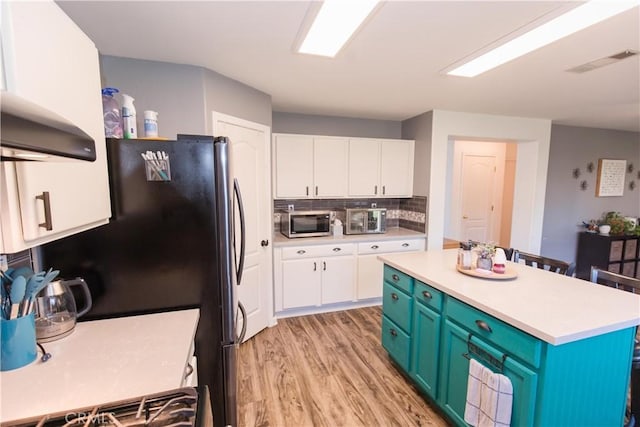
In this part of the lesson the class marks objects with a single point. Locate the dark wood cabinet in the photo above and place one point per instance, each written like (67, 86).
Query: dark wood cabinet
(618, 254)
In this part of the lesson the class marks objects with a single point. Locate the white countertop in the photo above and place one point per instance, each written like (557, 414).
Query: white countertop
(102, 361)
(554, 308)
(396, 233)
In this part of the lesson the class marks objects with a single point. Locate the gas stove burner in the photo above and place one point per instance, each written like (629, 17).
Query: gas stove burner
(168, 409)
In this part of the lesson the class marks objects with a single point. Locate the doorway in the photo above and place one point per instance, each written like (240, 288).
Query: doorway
(480, 191)
(251, 166)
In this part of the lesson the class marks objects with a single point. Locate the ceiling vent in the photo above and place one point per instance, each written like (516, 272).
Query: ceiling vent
(598, 63)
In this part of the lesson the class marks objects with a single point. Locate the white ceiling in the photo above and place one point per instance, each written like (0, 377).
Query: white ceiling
(392, 68)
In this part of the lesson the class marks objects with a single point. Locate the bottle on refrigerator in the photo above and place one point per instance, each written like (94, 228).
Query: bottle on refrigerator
(129, 117)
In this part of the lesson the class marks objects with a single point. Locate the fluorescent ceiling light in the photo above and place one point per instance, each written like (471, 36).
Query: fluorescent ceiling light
(573, 21)
(335, 23)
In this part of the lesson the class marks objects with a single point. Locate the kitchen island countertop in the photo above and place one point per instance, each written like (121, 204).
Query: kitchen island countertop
(394, 233)
(102, 361)
(554, 308)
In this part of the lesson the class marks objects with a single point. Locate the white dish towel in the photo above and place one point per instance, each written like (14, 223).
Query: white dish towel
(489, 397)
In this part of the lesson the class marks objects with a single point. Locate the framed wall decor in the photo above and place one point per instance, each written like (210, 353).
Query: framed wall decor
(610, 178)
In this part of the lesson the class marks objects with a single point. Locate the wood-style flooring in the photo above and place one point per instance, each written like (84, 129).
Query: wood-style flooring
(326, 370)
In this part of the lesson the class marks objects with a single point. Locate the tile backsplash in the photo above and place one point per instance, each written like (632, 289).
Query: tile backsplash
(405, 213)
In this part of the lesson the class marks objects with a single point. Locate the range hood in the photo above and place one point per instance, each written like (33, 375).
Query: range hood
(29, 132)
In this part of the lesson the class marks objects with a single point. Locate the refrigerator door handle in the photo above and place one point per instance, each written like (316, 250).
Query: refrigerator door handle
(243, 331)
(238, 195)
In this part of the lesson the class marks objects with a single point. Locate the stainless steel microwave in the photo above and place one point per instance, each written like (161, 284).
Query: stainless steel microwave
(365, 221)
(306, 223)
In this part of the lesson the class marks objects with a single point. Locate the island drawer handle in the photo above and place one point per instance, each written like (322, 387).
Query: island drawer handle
(393, 332)
(375, 247)
(302, 251)
(427, 294)
(394, 296)
(404, 245)
(483, 325)
(395, 277)
(337, 249)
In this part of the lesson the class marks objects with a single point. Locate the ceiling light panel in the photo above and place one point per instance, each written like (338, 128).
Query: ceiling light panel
(334, 25)
(571, 22)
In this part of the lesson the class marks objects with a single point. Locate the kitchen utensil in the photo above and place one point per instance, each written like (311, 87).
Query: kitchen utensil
(17, 295)
(56, 308)
(35, 284)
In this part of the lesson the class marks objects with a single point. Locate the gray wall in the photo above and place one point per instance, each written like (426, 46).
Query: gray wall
(173, 90)
(566, 205)
(334, 126)
(231, 97)
(419, 128)
(183, 95)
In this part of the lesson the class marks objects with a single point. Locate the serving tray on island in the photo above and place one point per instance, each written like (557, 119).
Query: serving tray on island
(486, 274)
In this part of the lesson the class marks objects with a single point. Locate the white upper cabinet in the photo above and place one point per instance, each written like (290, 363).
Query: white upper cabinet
(49, 61)
(309, 166)
(380, 168)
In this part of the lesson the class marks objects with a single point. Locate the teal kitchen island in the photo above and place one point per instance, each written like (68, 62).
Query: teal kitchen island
(565, 344)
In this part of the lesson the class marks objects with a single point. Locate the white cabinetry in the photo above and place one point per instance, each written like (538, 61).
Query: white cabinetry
(370, 268)
(309, 166)
(49, 61)
(314, 275)
(308, 279)
(380, 168)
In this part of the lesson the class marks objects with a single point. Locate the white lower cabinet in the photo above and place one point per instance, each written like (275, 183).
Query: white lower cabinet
(316, 275)
(370, 268)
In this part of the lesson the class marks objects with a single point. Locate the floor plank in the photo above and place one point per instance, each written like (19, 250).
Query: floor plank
(326, 370)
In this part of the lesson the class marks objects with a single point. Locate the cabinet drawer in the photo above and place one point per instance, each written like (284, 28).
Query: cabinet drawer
(630, 247)
(318, 251)
(390, 246)
(396, 342)
(512, 340)
(428, 295)
(399, 279)
(396, 305)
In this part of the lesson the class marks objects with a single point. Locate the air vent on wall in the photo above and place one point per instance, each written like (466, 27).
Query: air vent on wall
(598, 63)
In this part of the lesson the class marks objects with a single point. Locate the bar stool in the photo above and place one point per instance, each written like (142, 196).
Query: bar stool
(628, 284)
(543, 263)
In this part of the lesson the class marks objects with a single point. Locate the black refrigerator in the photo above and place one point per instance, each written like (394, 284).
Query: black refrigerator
(169, 245)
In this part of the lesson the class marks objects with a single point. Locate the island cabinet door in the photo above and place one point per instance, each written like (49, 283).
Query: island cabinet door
(425, 348)
(452, 390)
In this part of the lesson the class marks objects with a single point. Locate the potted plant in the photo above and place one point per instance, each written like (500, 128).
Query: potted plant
(616, 221)
(485, 253)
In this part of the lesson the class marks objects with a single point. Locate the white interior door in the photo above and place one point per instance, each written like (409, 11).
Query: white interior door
(250, 165)
(478, 182)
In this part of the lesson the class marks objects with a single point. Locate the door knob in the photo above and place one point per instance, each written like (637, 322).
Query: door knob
(465, 217)
(264, 243)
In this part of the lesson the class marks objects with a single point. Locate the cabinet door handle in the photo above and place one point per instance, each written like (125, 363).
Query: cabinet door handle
(393, 332)
(427, 294)
(375, 189)
(483, 325)
(394, 296)
(384, 190)
(47, 224)
(375, 247)
(405, 245)
(324, 266)
(316, 190)
(189, 370)
(264, 243)
(395, 277)
(315, 266)
(307, 190)
(301, 251)
(337, 249)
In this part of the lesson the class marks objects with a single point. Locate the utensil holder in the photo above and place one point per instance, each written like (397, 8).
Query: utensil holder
(18, 342)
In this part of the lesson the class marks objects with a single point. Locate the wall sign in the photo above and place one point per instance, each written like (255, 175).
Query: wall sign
(610, 181)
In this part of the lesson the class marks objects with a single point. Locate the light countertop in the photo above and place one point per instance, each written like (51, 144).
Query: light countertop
(102, 361)
(396, 233)
(554, 308)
